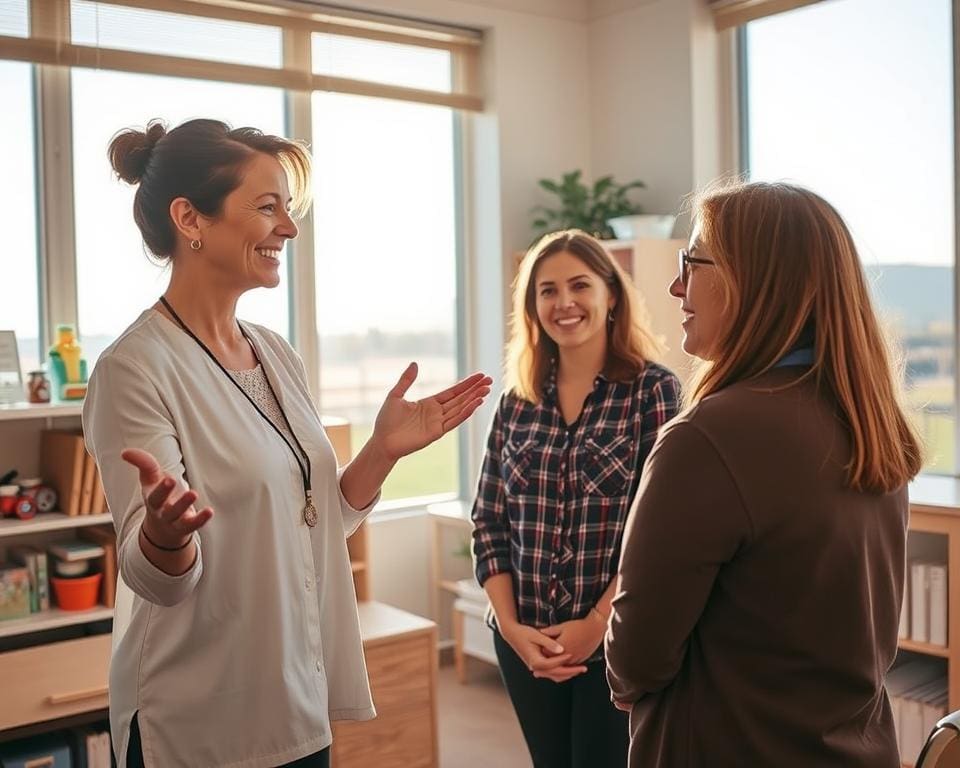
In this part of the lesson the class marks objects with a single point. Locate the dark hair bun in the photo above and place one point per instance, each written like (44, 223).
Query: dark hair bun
(130, 150)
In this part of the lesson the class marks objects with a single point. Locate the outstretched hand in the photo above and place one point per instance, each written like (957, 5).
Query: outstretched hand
(403, 427)
(171, 517)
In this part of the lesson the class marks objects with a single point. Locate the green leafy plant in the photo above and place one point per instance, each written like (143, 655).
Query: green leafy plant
(464, 550)
(585, 207)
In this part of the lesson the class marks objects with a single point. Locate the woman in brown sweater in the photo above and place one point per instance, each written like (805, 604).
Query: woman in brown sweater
(762, 569)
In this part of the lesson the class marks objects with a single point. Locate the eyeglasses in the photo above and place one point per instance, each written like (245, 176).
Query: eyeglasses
(686, 260)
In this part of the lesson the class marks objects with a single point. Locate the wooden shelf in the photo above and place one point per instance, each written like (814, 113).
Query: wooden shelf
(50, 521)
(358, 566)
(52, 619)
(926, 648)
(17, 411)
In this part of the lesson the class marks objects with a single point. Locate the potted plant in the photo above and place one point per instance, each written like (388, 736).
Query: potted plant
(604, 209)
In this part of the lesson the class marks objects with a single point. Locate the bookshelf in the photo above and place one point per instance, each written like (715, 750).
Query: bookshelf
(935, 509)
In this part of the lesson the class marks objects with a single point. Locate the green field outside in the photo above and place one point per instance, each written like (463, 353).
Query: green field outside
(429, 471)
(936, 428)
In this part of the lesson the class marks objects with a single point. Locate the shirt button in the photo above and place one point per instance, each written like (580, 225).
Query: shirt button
(306, 583)
(319, 666)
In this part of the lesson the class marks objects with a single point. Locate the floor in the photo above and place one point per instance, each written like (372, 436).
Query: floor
(478, 728)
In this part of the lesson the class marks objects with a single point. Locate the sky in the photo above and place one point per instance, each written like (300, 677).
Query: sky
(854, 98)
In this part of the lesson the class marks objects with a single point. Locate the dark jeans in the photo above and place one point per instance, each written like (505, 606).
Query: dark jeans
(319, 759)
(566, 725)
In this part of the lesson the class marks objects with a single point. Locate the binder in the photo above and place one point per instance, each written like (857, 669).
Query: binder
(86, 487)
(919, 601)
(938, 603)
(62, 461)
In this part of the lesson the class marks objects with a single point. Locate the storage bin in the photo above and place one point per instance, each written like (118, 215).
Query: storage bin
(77, 594)
(48, 751)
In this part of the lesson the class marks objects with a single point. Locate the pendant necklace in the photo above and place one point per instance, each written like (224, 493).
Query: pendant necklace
(310, 516)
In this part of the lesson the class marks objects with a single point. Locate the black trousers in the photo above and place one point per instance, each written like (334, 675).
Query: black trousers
(319, 759)
(566, 725)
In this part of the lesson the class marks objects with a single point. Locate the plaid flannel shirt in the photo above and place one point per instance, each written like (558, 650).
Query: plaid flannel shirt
(552, 500)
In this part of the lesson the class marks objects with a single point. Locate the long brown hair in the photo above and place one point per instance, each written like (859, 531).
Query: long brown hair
(788, 265)
(530, 351)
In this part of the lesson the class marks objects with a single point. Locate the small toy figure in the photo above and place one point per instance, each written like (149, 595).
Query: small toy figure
(38, 387)
(67, 368)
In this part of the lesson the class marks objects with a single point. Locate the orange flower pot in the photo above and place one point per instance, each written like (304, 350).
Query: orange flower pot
(77, 594)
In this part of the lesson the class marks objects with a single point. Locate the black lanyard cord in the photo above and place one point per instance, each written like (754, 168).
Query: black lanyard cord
(305, 471)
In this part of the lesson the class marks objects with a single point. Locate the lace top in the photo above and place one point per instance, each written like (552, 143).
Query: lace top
(254, 383)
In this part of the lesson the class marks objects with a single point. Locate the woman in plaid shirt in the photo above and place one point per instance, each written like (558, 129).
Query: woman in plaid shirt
(581, 412)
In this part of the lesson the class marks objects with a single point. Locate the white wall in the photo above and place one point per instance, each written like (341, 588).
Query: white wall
(398, 550)
(662, 98)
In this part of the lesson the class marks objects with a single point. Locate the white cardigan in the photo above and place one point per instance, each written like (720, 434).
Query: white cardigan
(245, 659)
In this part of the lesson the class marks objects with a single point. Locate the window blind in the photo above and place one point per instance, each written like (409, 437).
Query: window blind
(293, 45)
(733, 13)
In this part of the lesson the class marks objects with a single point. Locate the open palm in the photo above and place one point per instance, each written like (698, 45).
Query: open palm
(405, 426)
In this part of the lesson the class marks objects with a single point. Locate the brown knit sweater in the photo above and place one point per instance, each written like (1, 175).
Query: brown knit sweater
(758, 608)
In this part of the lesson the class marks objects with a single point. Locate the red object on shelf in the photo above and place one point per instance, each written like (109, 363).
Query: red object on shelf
(77, 594)
(26, 507)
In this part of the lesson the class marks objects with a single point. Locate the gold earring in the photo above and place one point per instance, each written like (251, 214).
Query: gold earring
(196, 245)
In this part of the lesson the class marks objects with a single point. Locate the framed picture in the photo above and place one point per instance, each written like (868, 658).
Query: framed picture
(11, 381)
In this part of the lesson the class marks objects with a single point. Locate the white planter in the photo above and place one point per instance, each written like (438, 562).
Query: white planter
(655, 226)
(477, 636)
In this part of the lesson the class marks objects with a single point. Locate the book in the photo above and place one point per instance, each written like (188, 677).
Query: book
(71, 551)
(14, 592)
(938, 603)
(43, 581)
(98, 504)
(919, 601)
(62, 461)
(27, 557)
(88, 483)
(901, 681)
(106, 538)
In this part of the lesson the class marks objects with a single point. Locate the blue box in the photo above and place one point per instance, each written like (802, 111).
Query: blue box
(50, 751)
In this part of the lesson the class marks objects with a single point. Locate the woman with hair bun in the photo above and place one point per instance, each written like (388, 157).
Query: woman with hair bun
(243, 641)
(758, 599)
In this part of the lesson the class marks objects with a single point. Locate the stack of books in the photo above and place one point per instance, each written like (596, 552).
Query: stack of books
(72, 472)
(918, 696)
(923, 617)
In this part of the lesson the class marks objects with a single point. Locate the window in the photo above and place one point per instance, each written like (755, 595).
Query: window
(109, 247)
(14, 19)
(379, 62)
(384, 212)
(374, 96)
(866, 120)
(19, 309)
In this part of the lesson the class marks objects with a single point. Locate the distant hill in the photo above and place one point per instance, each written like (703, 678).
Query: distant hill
(915, 296)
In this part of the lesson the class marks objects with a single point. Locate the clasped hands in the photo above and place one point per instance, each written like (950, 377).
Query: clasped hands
(556, 652)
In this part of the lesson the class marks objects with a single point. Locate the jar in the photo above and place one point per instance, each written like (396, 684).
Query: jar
(26, 507)
(38, 387)
(8, 499)
(42, 494)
